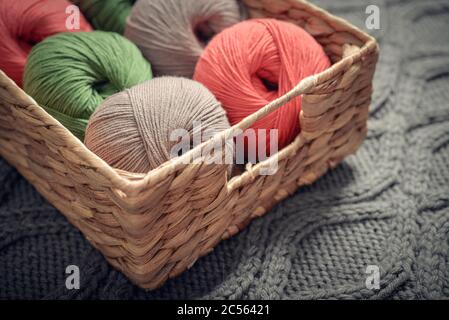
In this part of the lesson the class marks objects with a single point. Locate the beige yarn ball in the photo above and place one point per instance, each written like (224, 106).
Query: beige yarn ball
(172, 34)
(131, 129)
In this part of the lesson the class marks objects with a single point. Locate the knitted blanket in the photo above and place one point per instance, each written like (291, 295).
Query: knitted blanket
(377, 226)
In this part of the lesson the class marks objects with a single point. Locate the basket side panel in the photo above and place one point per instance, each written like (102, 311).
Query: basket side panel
(54, 169)
(151, 236)
(333, 117)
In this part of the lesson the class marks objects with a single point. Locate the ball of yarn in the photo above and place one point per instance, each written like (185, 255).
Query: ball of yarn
(24, 23)
(256, 61)
(107, 15)
(131, 130)
(70, 74)
(172, 33)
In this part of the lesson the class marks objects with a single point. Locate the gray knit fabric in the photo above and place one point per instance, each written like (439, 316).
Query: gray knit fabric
(387, 206)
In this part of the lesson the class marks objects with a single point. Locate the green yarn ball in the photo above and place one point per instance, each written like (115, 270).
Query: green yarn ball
(108, 15)
(70, 74)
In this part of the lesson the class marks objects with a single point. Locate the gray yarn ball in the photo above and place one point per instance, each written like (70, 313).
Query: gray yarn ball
(131, 129)
(173, 33)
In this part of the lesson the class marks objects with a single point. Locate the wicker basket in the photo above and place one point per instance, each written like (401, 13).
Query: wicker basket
(154, 226)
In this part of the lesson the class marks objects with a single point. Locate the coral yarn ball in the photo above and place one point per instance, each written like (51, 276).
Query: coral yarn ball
(256, 61)
(23, 24)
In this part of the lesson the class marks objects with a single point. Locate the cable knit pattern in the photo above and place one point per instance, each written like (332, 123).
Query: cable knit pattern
(388, 205)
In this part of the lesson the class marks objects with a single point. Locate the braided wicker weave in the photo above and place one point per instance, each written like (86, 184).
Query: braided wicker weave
(154, 226)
